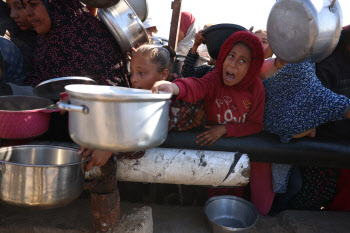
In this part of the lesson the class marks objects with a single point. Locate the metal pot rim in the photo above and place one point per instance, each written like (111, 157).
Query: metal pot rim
(45, 166)
(29, 110)
(114, 93)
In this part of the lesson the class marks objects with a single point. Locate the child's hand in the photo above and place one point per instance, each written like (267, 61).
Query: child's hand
(210, 136)
(198, 38)
(98, 157)
(166, 87)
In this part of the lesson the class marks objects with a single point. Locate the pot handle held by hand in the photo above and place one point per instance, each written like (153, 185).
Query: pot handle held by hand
(73, 108)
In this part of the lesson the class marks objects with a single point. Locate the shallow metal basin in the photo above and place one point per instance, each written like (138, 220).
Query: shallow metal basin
(230, 214)
(40, 176)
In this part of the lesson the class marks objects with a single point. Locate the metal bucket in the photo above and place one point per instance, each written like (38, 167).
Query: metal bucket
(39, 176)
(227, 214)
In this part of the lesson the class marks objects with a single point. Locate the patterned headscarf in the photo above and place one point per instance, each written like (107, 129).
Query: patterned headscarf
(257, 56)
(12, 70)
(77, 44)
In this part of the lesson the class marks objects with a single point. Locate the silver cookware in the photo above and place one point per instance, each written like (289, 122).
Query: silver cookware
(116, 119)
(40, 176)
(304, 30)
(140, 7)
(227, 214)
(124, 25)
(52, 88)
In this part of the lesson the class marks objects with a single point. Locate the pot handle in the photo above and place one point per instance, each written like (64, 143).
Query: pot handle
(50, 109)
(73, 108)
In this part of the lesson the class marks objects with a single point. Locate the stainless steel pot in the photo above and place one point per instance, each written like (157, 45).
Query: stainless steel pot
(39, 176)
(125, 26)
(116, 118)
(140, 7)
(304, 30)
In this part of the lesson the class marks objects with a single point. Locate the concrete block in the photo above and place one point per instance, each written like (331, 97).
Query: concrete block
(138, 220)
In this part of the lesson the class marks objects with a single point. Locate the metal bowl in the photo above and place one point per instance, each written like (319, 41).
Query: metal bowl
(230, 214)
(39, 176)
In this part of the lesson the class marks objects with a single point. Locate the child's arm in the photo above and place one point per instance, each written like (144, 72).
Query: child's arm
(212, 135)
(165, 86)
(190, 89)
(189, 68)
(98, 157)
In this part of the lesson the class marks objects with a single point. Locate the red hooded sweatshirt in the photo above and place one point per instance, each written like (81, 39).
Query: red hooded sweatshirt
(240, 107)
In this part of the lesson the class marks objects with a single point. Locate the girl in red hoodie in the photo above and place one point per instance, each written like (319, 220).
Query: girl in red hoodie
(234, 99)
(233, 94)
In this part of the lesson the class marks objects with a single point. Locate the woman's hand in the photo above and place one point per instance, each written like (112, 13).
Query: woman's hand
(98, 157)
(210, 136)
(165, 86)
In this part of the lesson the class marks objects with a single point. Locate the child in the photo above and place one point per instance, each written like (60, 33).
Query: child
(150, 64)
(234, 100)
(189, 68)
(233, 94)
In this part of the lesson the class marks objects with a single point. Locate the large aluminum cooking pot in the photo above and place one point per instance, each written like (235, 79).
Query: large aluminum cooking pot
(304, 30)
(125, 26)
(24, 116)
(40, 176)
(116, 119)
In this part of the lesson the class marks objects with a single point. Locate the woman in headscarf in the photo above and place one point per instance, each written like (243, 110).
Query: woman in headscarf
(72, 42)
(12, 70)
(187, 31)
(22, 34)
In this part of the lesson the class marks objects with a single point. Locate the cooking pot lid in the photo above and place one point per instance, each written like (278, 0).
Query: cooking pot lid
(23, 103)
(112, 93)
(52, 88)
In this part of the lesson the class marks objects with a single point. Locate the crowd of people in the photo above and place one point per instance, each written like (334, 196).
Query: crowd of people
(242, 92)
